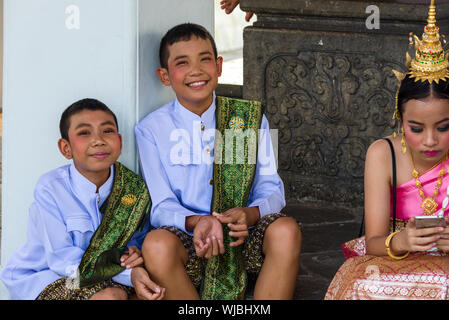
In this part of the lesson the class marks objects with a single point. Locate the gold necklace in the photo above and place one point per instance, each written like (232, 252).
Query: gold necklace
(429, 205)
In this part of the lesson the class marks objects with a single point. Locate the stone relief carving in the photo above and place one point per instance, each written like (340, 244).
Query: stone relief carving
(329, 107)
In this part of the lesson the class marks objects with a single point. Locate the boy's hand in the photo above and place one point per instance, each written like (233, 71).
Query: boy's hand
(208, 237)
(145, 288)
(237, 221)
(132, 258)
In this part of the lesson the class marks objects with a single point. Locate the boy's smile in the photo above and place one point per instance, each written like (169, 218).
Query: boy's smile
(192, 72)
(94, 144)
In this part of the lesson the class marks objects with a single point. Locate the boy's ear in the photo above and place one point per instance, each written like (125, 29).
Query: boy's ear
(121, 142)
(65, 148)
(219, 65)
(163, 76)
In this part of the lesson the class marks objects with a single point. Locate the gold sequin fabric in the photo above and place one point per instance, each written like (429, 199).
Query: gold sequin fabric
(60, 290)
(252, 250)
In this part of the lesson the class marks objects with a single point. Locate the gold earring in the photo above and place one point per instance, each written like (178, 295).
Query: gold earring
(403, 147)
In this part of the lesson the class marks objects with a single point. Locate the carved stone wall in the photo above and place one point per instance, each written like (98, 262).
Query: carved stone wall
(327, 86)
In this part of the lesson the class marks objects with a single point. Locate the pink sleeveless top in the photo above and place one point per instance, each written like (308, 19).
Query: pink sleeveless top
(408, 203)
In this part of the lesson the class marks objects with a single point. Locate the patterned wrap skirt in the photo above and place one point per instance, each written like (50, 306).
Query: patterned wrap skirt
(62, 289)
(420, 276)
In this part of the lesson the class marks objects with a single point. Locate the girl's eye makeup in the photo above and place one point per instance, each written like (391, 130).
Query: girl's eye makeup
(418, 130)
(415, 129)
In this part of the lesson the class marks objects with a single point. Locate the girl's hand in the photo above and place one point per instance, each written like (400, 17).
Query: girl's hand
(443, 242)
(419, 240)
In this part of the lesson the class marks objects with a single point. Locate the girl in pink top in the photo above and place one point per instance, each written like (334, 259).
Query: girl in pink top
(395, 259)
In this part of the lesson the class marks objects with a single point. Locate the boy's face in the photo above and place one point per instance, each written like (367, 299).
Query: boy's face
(94, 143)
(192, 72)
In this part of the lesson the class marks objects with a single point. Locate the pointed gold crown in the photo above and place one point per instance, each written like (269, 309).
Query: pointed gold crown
(430, 62)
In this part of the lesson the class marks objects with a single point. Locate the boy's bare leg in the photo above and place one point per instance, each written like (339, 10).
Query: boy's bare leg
(111, 293)
(165, 257)
(282, 247)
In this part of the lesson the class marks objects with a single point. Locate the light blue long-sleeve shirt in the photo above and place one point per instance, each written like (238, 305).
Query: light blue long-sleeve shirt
(62, 219)
(176, 149)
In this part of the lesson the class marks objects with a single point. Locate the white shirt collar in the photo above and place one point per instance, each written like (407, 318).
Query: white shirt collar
(85, 189)
(186, 115)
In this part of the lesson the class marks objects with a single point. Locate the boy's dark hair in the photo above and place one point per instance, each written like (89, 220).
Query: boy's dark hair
(183, 32)
(84, 104)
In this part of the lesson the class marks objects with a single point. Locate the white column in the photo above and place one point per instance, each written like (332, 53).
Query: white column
(57, 52)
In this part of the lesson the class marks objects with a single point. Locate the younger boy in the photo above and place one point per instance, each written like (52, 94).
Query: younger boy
(178, 145)
(83, 217)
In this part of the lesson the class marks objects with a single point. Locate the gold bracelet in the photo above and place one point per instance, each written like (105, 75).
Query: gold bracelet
(387, 246)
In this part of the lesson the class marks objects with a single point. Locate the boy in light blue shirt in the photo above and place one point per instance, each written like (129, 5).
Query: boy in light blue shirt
(79, 243)
(211, 216)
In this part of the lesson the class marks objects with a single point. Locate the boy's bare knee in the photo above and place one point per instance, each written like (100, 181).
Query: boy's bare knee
(111, 293)
(285, 231)
(161, 245)
(159, 242)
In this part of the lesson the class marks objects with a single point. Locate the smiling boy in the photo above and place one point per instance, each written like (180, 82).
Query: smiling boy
(83, 217)
(211, 216)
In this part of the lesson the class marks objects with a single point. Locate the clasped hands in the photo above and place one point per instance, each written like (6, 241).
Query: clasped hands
(131, 258)
(208, 232)
(424, 239)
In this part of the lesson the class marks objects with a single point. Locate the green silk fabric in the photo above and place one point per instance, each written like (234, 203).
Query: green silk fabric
(125, 212)
(233, 175)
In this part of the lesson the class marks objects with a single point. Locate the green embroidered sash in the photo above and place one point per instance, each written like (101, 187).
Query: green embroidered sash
(234, 171)
(127, 209)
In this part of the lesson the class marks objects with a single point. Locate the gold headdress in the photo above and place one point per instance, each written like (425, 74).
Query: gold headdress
(431, 62)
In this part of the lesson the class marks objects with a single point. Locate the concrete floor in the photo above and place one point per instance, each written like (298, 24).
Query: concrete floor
(324, 230)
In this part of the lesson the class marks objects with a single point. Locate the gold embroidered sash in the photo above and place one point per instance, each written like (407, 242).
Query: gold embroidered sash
(127, 208)
(234, 171)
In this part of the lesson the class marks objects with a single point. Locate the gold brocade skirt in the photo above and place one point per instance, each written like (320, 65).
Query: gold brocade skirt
(420, 276)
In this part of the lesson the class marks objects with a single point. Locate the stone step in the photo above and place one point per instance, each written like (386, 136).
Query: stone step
(324, 229)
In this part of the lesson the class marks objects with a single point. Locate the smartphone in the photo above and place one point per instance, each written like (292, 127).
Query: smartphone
(429, 222)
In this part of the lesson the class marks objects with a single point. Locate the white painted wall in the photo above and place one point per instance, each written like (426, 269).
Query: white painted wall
(112, 57)
(229, 28)
(229, 40)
